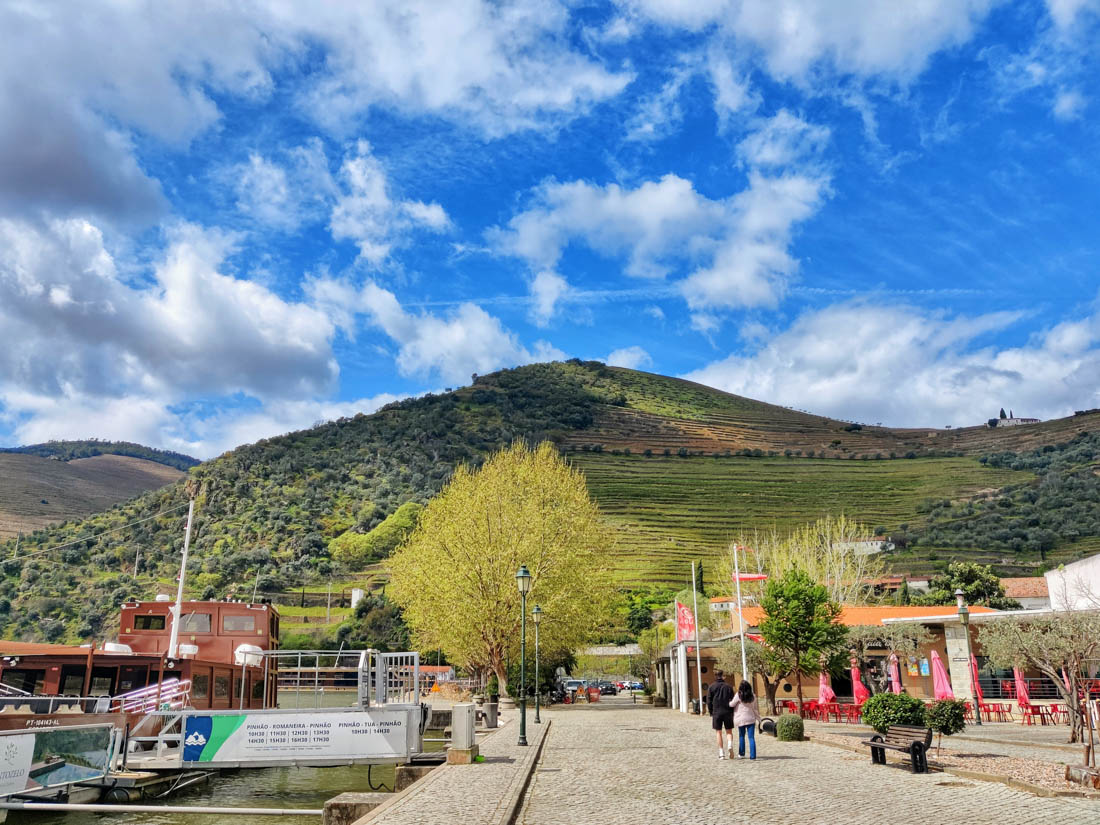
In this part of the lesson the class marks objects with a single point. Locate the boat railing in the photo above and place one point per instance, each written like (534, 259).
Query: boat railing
(329, 678)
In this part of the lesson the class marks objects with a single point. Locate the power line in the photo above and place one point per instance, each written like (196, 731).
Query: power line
(97, 535)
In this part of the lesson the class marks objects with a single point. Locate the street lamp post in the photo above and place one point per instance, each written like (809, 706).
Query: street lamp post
(523, 579)
(536, 615)
(964, 617)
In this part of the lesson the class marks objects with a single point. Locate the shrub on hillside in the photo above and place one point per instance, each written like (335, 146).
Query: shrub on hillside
(789, 728)
(885, 709)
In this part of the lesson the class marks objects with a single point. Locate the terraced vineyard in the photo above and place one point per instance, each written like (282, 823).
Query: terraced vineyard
(668, 511)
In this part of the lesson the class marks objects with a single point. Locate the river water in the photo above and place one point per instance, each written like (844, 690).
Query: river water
(256, 788)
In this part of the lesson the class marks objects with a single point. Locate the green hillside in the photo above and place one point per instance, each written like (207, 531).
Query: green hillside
(678, 468)
(69, 450)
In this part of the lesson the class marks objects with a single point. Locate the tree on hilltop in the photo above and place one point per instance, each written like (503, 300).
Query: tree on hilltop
(978, 582)
(454, 577)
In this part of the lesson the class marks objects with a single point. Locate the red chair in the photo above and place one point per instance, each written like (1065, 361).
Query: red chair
(854, 714)
(1032, 712)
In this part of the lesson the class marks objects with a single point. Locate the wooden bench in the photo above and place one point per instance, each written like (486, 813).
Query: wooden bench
(910, 739)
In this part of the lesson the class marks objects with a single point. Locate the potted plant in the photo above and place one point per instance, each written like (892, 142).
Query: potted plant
(946, 717)
(647, 695)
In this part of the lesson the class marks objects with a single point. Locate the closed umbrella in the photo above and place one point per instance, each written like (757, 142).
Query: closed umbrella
(941, 685)
(1022, 697)
(894, 673)
(974, 676)
(860, 694)
(824, 690)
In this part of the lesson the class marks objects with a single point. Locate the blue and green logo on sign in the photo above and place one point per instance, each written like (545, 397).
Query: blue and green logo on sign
(204, 736)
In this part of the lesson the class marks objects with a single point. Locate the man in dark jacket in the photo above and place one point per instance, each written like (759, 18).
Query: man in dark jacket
(721, 715)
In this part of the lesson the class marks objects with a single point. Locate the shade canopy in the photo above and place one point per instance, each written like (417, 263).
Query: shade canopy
(941, 684)
(824, 690)
(1022, 697)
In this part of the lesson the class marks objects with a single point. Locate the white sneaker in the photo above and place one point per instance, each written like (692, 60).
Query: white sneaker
(739, 756)
(721, 754)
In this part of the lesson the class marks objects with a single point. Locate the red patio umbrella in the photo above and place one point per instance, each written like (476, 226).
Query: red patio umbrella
(825, 692)
(1022, 697)
(941, 685)
(974, 677)
(894, 673)
(860, 694)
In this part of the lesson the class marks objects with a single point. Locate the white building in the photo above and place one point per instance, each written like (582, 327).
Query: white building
(1031, 592)
(1075, 586)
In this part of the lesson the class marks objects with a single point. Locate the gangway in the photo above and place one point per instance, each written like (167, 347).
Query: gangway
(377, 720)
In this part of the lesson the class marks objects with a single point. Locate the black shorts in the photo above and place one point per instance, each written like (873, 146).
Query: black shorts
(722, 720)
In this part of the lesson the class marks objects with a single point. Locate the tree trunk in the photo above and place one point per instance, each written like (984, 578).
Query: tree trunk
(798, 687)
(769, 691)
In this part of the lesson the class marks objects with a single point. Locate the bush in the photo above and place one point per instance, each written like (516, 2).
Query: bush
(946, 717)
(885, 709)
(789, 728)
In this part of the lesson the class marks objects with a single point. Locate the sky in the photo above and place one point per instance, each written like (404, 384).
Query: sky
(222, 222)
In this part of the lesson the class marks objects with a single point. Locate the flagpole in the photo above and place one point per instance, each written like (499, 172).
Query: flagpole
(740, 615)
(698, 658)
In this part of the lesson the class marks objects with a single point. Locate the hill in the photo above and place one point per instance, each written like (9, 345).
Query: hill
(37, 492)
(677, 468)
(68, 450)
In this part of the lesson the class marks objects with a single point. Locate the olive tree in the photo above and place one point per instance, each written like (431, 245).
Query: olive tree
(1057, 645)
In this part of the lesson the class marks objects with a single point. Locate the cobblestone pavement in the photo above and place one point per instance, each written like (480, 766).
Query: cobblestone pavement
(617, 764)
(466, 794)
(1038, 743)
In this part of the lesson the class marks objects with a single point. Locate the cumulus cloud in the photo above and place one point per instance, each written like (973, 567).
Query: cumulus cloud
(452, 347)
(910, 367)
(1065, 12)
(632, 358)
(735, 249)
(547, 289)
(116, 71)
(286, 191)
(367, 214)
(797, 37)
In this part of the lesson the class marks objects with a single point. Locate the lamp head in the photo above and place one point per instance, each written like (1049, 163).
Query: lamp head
(960, 598)
(523, 579)
(536, 614)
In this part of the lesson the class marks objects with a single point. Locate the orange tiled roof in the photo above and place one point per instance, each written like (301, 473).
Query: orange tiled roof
(854, 615)
(1029, 587)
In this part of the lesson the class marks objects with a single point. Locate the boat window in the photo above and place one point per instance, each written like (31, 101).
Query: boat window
(239, 623)
(28, 681)
(148, 622)
(221, 687)
(258, 690)
(195, 623)
(200, 686)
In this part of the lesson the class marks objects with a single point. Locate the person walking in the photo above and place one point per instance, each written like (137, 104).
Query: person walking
(745, 717)
(719, 698)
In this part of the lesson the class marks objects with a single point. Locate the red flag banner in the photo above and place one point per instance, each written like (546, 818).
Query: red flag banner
(748, 577)
(685, 623)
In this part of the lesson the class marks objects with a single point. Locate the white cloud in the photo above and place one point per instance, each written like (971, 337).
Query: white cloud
(1068, 105)
(283, 194)
(1065, 12)
(72, 323)
(908, 367)
(630, 357)
(660, 114)
(732, 91)
(783, 140)
(367, 214)
(155, 70)
(466, 341)
(798, 37)
(735, 249)
(547, 289)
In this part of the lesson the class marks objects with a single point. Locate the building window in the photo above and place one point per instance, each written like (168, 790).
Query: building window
(195, 623)
(200, 687)
(221, 687)
(148, 622)
(238, 624)
(258, 690)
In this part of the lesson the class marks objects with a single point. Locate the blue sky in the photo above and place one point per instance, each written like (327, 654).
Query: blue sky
(219, 224)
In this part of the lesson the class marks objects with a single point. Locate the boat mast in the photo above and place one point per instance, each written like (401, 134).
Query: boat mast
(173, 639)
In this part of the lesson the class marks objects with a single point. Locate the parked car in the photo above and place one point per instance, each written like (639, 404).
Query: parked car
(607, 689)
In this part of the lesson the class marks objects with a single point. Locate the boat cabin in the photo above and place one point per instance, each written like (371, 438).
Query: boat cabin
(217, 666)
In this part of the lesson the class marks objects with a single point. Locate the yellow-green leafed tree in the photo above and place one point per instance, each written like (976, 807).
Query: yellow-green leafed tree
(455, 576)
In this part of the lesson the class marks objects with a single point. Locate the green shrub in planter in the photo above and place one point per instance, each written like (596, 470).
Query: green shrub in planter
(788, 728)
(885, 709)
(946, 717)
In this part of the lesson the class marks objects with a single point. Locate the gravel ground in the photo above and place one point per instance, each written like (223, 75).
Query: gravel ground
(1046, 774)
